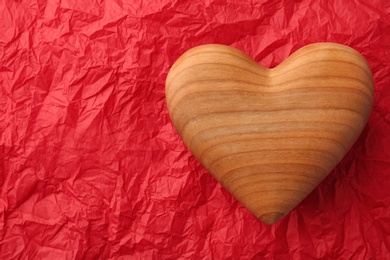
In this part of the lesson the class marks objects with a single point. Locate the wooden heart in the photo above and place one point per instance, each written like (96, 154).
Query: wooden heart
(270, 136)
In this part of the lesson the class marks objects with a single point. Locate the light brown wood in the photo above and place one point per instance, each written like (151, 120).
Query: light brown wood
(270, 136)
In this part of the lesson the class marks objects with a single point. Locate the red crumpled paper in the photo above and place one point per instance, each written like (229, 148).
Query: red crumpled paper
(92, 168)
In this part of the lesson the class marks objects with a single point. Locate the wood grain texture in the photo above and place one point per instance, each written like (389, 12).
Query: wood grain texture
(270, 136)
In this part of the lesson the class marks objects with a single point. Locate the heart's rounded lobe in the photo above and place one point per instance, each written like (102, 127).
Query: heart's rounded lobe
(270, 136)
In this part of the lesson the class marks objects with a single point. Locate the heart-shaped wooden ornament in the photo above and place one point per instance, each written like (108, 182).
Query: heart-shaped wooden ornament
(270, 136)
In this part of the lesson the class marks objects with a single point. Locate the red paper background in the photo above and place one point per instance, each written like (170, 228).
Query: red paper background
(92, 168)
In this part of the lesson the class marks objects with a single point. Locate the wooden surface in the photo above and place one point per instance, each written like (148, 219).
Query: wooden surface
(270, 136)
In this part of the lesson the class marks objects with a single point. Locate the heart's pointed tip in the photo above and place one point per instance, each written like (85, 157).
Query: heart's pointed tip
(271, 218)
